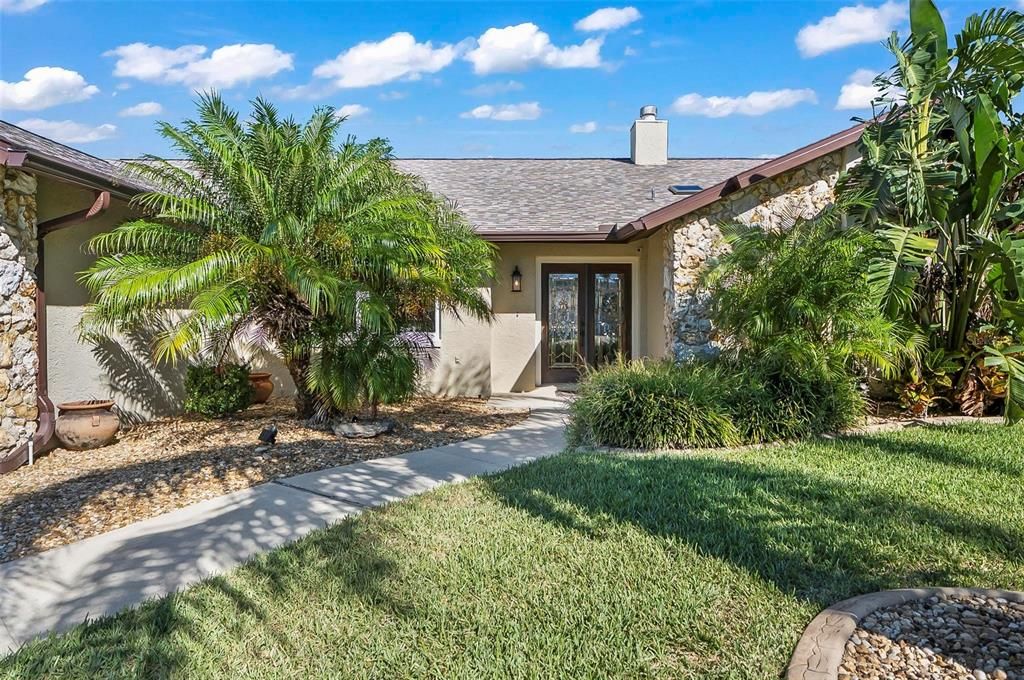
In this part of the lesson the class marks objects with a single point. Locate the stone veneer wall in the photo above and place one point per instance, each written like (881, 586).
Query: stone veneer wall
(18, 360)
(695, 238)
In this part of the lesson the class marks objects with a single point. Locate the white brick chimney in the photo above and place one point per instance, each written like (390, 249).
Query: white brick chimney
(648, 138)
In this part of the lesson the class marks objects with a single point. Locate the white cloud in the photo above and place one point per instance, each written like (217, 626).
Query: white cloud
(518, 48)
(44, 86)
(524, 111)
(351, 111)
(68, 131)
(850, 26)
(859, 91)
(225, 67)
(142, 109)
(398, 57)
(315, 90)
(20, 6)
(392, 96)
(629, 52)
(583, 128)
(608, 19)
(149, 62)
(491, 89)
(753, 104)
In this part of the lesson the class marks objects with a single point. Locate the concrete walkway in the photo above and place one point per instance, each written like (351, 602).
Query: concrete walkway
(104, 574)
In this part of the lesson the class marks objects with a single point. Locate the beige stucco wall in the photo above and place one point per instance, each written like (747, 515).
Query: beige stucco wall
(121, 369)
(475, 357)
(462, 363)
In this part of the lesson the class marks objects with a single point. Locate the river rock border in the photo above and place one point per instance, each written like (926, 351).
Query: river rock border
(820, 650)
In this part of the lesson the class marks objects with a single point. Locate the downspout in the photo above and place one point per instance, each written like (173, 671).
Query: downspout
(47, 418)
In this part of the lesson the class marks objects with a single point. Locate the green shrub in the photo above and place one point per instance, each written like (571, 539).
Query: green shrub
(801, 294)
(216, 392)
(722, 402)
(652, 405)
(772, 400)
(799, 321)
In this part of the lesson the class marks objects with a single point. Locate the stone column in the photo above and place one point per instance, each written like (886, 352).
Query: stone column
(18, 360)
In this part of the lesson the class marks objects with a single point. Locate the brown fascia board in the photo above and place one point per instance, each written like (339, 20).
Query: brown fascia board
(12, 158)
(510, 236)
(649, 223)
(74, 174)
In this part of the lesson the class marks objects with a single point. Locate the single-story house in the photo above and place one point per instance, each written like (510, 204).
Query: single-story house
(598, 256)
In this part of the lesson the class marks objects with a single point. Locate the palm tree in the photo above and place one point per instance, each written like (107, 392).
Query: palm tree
(270, 228)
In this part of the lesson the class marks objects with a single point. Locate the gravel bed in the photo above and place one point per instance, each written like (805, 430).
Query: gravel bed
(967, 638)
(168, 464)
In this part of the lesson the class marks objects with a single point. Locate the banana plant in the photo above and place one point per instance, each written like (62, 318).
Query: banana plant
(944, 160)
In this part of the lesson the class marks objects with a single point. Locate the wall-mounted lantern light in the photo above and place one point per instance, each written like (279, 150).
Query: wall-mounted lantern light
(517, 280)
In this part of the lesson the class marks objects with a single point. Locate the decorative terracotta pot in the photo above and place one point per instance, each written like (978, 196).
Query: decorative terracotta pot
(86, 424)
(262, 386)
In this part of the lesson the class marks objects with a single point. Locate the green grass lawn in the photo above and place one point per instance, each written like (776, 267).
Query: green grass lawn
(591, 565)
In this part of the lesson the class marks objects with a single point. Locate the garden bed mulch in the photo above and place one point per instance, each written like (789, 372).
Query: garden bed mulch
(168, 464)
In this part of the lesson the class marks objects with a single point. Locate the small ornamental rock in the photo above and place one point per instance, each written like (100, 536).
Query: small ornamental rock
(364, 429)
(968, 638)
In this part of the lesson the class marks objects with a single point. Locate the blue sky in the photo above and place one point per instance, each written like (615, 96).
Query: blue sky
(455, 79)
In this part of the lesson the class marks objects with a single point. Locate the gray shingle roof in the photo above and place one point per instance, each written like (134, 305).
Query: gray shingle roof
(563, 194)
(495, 194)
(43, 149)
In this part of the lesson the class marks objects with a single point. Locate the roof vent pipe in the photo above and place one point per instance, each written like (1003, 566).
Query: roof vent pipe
(648, 138)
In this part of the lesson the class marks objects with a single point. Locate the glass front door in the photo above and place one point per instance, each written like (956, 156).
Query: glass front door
(585, 317)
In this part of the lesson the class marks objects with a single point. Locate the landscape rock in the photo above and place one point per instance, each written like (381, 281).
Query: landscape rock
(364, 429)
(157, 467)
(939, 638)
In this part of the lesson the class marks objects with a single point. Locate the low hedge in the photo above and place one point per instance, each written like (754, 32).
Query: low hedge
(216, 392)
(702, 404)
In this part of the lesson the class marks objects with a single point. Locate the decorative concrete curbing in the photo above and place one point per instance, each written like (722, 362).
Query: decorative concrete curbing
(821, 648)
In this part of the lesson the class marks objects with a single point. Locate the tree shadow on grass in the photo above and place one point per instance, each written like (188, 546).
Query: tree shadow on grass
(819, 539)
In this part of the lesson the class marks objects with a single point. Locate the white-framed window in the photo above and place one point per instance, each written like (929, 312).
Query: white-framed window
(429, 325)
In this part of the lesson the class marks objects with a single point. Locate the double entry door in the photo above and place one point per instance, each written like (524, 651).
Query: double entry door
(586, 314)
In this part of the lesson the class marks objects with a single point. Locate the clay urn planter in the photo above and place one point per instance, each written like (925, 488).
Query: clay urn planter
(262, 387)
(85, 425)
